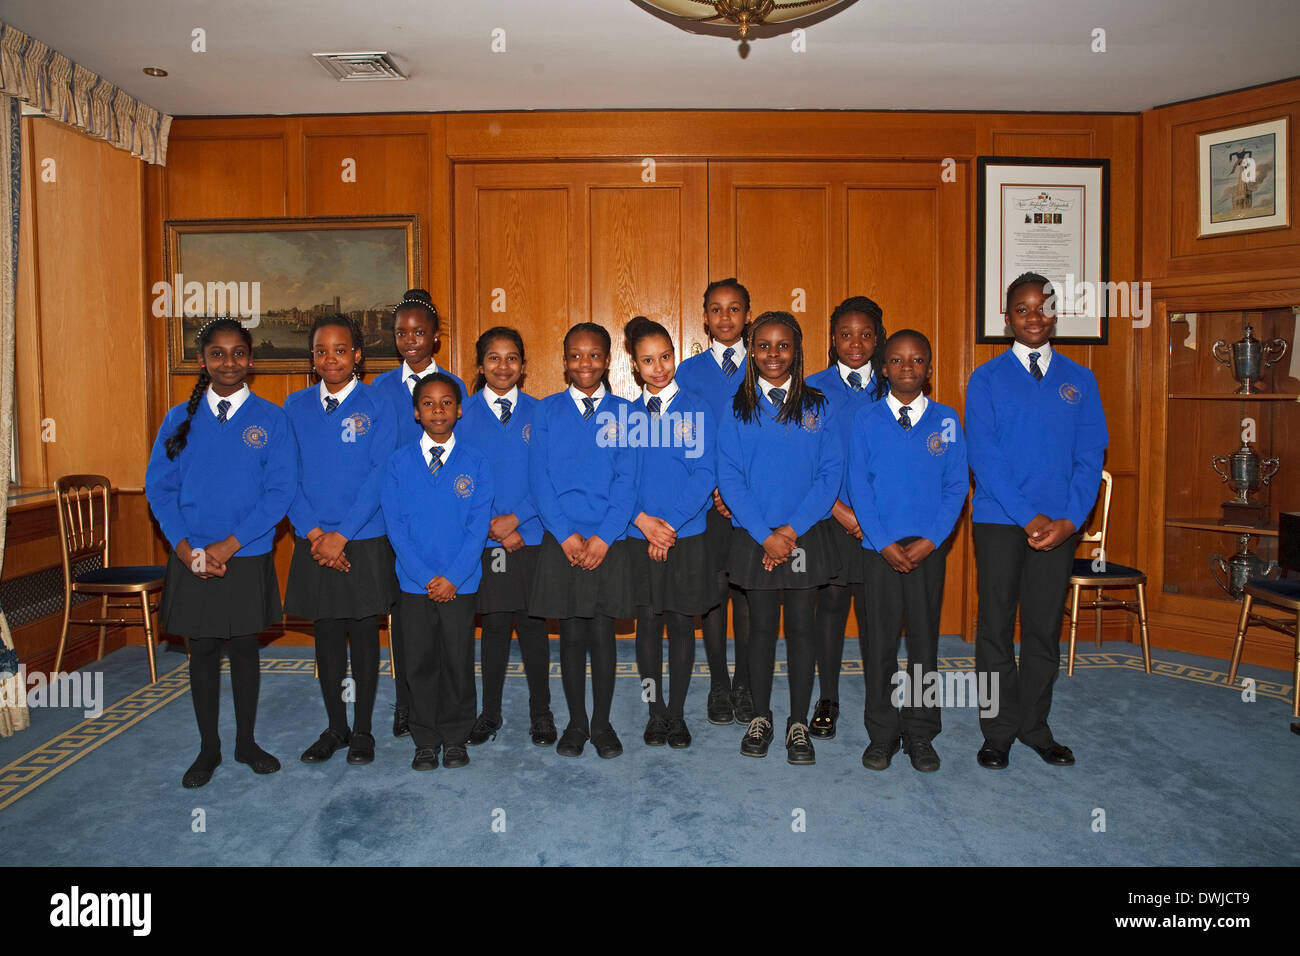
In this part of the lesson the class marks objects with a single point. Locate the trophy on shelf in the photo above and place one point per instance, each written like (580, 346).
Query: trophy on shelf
(1246, 471)
(1240, 569)
(1248, 357)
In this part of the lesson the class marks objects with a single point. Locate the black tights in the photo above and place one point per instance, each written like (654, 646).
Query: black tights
(332, 639)
(494, 654)
(650, 658)
(580, 636)
(205, 688)
(714, 626)
(832, 616)
(800, 640)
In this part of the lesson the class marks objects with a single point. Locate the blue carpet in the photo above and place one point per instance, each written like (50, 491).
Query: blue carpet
(1184, 770)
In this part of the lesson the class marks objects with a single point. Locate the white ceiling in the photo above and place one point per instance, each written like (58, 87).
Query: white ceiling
(608, 54)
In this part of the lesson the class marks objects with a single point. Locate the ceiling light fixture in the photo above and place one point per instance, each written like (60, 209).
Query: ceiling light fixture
(155, 71)
(743, 13)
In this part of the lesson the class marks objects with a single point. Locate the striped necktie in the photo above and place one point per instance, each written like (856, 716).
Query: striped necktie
(903, 418)
(653, 404)
(412, 381)
(728, 366)
(1034, 370)
(505, 409)
(588, 406)
(777, 397)
(223, 407)
(435, 459)
(331, 403)
(855, 381)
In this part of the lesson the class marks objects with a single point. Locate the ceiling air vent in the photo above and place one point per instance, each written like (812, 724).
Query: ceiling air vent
(349, 67)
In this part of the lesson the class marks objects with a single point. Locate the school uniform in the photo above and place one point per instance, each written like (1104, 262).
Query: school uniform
(674, 433)
(344, 440)
(714, 375)
(437, 501)
(1036, 446)
(583, 477)
(904, 483)
(773, 474)
(500, 427)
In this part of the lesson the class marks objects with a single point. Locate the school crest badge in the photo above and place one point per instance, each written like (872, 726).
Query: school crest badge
(811, 422)
(360, 423)
(1070, 393)
(935, 444)
(526, 432)
(610, 432)
(464, 486)
(686, 430)
(255, 436)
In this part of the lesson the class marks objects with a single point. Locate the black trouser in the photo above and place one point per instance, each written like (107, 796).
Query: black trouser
(1011, 573)
(333, 636)
(913, 600)
(800, 639)
(397, 656)
(650, 658)
(580, 636)
(832, 616)
(494, 654)
(714, 628)
(205, 688)
(439, 662)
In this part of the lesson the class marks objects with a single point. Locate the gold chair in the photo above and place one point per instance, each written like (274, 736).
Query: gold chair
(1283, 594)
(84, 504)
(1109, 576)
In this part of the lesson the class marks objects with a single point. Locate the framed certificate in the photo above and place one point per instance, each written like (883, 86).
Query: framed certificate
(1052, 217)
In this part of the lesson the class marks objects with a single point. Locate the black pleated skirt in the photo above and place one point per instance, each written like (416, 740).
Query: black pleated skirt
(849, 551)
(245, 601)
(507, 581)
(317, 593)
(561, 590)
(820, 562)
(717, 537)
(684, 583)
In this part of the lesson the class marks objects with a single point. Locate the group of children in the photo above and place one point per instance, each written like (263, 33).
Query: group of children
(732, 480)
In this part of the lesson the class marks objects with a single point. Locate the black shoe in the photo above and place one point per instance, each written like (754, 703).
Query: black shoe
(571, 743)
(719, 709)
(825, 714)
(402, 722)
(679, 738)
(258, 759)
(798, 748)
(324, 748)
(877, 756)
(742, 702)
(362, 749)
(758, 735)
(454, 755)
(1056, 754)
(923, 756)
(607, 744)
(484, 729)
(200, 772)
(656, 731)
(542, 730)
(991, 758)
(426, 758)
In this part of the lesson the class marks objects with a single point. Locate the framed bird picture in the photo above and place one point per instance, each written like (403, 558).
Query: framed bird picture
(1243, 178)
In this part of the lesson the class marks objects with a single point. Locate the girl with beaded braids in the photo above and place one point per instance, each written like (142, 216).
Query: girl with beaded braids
(222, 474)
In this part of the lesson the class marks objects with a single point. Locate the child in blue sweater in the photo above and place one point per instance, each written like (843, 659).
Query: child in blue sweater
(715, 375)
(907, 481)
(437, 501)
(222, 473)
(498, 420)
(851, 381)
(1038, 438)
(583, 477)
(672, 567)
(341, 576)
(780, 464)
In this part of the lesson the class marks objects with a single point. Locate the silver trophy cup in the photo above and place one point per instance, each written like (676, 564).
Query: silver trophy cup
(1248, 357)
(1246, 472)
(1234, 573)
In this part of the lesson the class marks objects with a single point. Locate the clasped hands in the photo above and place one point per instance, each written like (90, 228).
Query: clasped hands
(327, 549)
(1045, 534)
(209, 562)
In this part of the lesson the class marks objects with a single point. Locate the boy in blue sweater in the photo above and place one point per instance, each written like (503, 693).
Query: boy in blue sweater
(907, 481)
(437, 501)
(1037, 437)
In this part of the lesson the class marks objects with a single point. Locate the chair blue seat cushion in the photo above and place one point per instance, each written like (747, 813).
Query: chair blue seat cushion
(1083, 569)
(1288, 590)
(127, 574)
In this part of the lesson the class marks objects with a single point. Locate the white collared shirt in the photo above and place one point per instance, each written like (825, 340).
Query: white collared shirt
(407, 372)
(595, 396)
(665, 396)
(341, 394)
(767, 389)
(1044, 355)
(915, 408)
(491, 397)
(738, 356)
(866, 373)
(427, 443)
(235, 400)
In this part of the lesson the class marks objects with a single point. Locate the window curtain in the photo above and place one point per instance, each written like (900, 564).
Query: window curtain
(68, 92)
(13, 705)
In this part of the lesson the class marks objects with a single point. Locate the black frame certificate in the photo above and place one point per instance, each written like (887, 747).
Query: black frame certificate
(1050, 216)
